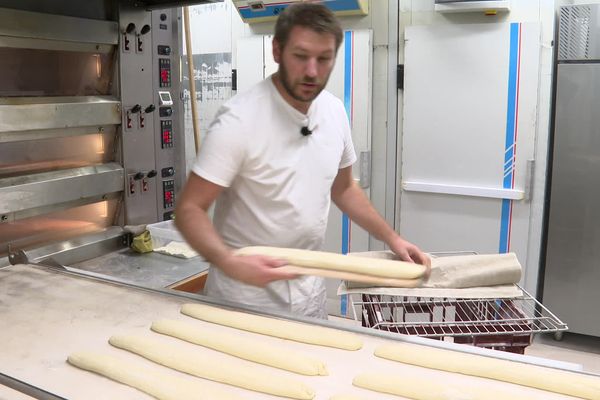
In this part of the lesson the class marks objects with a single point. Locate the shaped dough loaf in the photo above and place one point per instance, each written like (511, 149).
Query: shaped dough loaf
(419, 388)
(202, 365)
(339, 262)
(572, 384)
(160, 385)
(242, 347)
(274, 327)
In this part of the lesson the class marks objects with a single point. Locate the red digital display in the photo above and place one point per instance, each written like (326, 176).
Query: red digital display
(164, 76)
(166, 128)
(168, 193)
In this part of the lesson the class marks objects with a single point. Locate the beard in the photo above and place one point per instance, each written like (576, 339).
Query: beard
(293, 88)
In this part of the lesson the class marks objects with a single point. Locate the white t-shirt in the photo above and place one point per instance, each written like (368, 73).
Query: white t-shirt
(278, 186)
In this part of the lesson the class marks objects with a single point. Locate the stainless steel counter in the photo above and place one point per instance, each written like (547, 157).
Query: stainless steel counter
(151, 270)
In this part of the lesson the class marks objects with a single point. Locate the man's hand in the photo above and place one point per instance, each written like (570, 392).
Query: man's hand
(254, 270)
(407, 251)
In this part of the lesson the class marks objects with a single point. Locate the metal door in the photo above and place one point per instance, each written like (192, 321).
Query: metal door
(573, 248)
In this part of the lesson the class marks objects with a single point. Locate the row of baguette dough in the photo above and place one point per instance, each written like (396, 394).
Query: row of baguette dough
(579, 385)
(572, 384)
(154, 382)
(198, 365)
(229, 372)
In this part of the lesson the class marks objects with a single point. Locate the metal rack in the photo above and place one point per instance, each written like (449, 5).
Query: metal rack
(503, 324)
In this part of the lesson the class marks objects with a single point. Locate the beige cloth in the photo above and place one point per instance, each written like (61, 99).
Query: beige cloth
(485, 292)
(462, 271)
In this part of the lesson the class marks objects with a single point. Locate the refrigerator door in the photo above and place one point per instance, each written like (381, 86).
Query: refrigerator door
(572, 274)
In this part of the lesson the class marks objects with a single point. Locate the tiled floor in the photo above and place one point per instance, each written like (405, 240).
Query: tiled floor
(573, 348)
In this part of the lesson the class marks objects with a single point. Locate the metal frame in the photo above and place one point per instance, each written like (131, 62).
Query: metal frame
(36, 113)
(27, 389)
(43, 44)
(505, 324)
(34, 25)
(34, 212)
(78, 249)
(52, 188)
(38, 134)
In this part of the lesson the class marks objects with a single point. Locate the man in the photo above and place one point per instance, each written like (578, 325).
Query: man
(275, 156)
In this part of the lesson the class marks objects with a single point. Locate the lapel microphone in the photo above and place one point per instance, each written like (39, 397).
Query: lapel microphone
(305, 131)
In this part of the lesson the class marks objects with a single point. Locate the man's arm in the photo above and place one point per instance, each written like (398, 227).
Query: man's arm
(193, 222)
(351, 199)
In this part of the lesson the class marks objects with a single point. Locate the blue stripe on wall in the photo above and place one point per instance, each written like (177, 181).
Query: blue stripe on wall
(509, 147)
(348, 74)
(504, 225)
(348, 107)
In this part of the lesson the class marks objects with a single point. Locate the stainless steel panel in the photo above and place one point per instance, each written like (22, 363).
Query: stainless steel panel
(84, 248)
(78, 249)
(27, 157)
(40, 134)
(170, 157)
(43, 44)
(92, 9)
(55, 208)
(128, 265)
(29, 113)
(57, 226)
(27, 24)
(572, 273)
(137, 82)
(48, 188)
(26, 72)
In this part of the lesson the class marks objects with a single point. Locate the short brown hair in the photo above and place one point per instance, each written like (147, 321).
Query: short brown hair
(314, 16)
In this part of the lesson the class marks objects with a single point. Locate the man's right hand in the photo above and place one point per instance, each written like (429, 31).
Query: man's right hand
(254, 270)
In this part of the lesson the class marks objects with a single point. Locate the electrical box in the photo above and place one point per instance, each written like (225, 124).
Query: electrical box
(486, 6)
(253, 11)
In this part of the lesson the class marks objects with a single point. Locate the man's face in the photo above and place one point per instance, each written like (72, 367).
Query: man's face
(305, 63)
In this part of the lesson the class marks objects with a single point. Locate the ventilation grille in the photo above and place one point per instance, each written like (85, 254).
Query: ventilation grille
(574, 33)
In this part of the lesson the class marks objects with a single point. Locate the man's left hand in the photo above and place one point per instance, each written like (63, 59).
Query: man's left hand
(407, 251)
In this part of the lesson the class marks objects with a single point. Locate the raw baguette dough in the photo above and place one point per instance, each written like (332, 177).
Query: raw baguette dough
(572, 384)
(202, 365)
(417, 387)
(367, 280)
(242, 347)
(274, 327)
(339, 262)
(160, 385)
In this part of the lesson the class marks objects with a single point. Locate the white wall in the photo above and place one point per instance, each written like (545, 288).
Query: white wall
(421, 12)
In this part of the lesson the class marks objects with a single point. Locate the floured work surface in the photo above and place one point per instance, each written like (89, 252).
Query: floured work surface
(47, 315)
